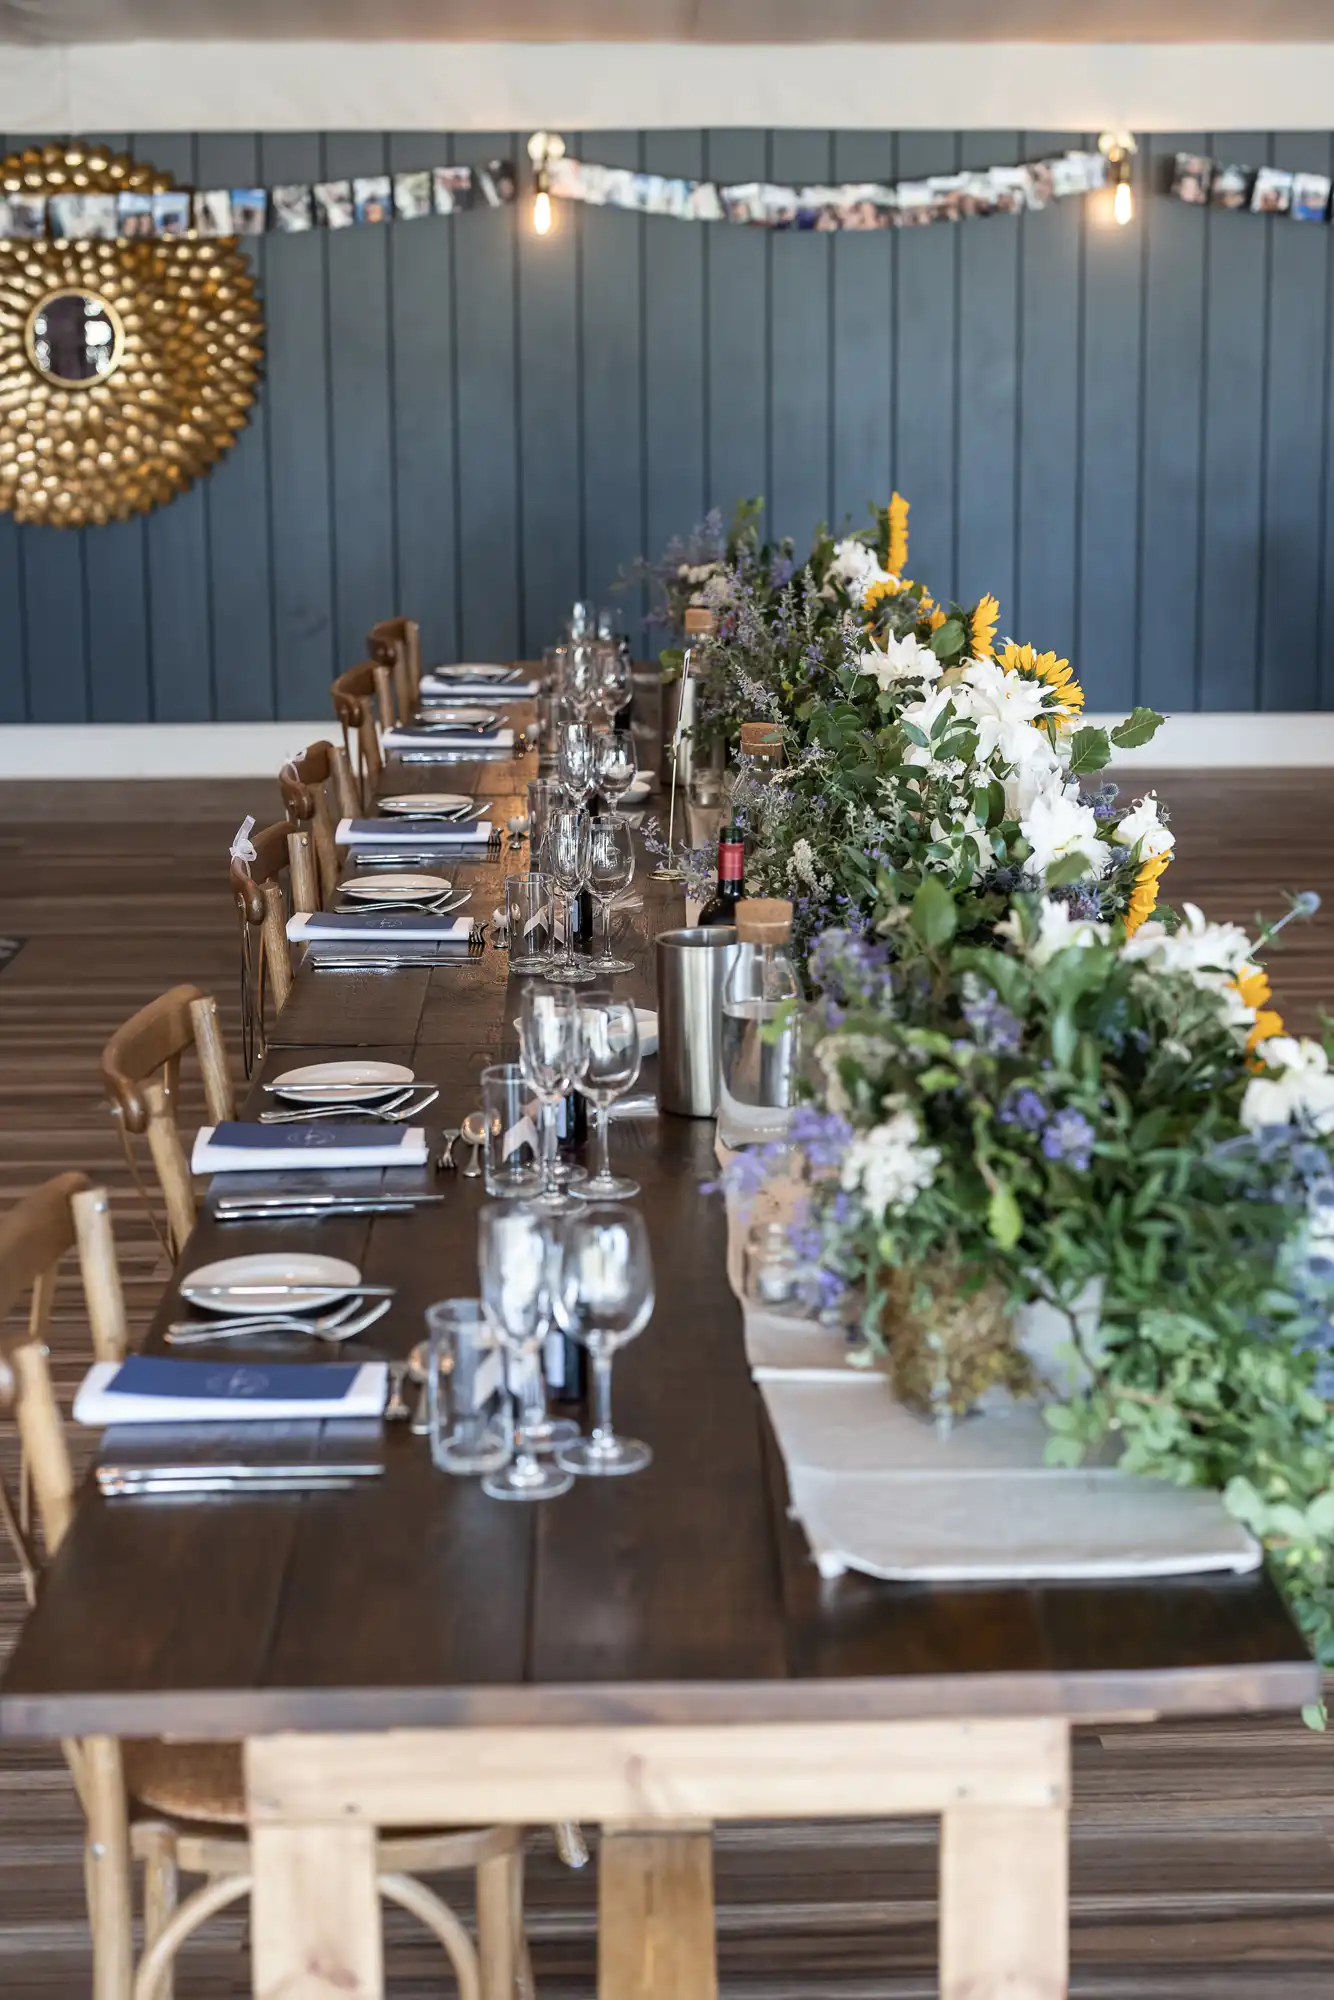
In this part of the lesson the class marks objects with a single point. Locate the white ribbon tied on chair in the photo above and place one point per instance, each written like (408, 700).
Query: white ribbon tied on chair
(243, 848)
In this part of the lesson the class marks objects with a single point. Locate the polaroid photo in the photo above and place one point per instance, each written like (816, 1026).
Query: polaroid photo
(1272, 193)
(1038, 183)
(860, 206)
(1067, 175)
(1192, 174)
(451, 188)
(573, 180)
(412, 195)
(27, 216)
(676, 200)
(741, 203)
(291, 208)
(1231, 187)
(495, 182)
(372, 198)
(1310, 197)
(619, 185)
(6, 218)
(1009, 189)
(779, 204)
(213, 212)
(977, 195)
(704, 204)
(250, 211)
(946, 196)
(83, 218)
(171, 212)
(134, 213)
(915, 200)
(333, 204)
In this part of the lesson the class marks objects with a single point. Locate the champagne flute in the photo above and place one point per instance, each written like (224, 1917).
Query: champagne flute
(581, 683)
(616, 681)
(602, 1296)
(567, 859)
(514, 1253)
(549, 1052)
(608, 1067)
(615, 764)
(610, 871)
(576, 753)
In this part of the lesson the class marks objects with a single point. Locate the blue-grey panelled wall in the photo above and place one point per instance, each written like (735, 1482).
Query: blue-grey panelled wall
(1124, 433)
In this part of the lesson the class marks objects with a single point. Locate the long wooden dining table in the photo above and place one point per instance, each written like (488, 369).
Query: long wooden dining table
(648, 1655)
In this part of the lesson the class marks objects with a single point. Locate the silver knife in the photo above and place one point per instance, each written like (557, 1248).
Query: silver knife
(164, 1488)
(330, 1469)
(315, 1199)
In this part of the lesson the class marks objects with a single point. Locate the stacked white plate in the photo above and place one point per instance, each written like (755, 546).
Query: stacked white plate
(428, 805)
(352, 1082)
(396, 887)
(279, 1281)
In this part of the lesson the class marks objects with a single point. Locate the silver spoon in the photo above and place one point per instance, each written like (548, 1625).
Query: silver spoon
(474, 1135)
(396, 1410)
(189, 1333)
(417, 1363)
(396, 1112)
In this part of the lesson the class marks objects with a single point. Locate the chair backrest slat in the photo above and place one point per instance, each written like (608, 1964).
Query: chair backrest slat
(318, 789)
(357, 697)
(141, 1067)
(396, 643)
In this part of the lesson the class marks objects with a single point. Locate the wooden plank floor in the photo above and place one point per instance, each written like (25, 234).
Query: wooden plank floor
(1203, 1854)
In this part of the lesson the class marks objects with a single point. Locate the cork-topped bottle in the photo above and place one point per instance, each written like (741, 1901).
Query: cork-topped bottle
(760, 1018)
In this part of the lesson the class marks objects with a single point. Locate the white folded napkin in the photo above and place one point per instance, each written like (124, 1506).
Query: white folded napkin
(436, 689)
(235, 1394)
(378, 927)
(281, 1149)
(413, 833)
(446, 739)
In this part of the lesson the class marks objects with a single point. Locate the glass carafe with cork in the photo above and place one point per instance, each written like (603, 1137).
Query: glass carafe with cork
(760, 1021)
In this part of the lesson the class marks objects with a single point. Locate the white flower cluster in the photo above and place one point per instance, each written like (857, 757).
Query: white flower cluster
(889, 1163)
(902, 660)
(801, 867)
(1297, 1088)
(1196, 946)
(854, 565)
(1057, 931)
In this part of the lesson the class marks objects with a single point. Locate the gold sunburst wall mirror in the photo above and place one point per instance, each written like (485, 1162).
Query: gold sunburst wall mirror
(127, 366)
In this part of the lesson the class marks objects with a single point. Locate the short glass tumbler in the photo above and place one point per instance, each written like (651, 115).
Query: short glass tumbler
(467, 1407)
(532, 915)
(512, 1162)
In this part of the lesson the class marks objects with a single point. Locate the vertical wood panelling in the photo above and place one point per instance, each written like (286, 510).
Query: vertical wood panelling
(611, 309)
(296, 391)
(490, 503)
(1232, 490)
(1175, 393)
(988, 253)
(425, 418)
(925, 298)
(862, 318)
(236, 500)
(360, 389)
(1124, 432)
(800, 350)
(738, 354)
(1109, 454)
(1296, 421)
(1048, 416)
(674, 350)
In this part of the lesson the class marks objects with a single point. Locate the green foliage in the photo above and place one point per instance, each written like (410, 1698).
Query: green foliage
(1139, 727)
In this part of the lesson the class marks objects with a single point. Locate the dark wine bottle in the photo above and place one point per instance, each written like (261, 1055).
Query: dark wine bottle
(721, 906)
(565, 1365)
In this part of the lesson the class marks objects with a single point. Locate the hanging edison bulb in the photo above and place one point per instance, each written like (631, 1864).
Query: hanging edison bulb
(543, 148)
(1119, 149)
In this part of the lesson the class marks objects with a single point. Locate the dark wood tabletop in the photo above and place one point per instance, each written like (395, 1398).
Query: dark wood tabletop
(682, 1594)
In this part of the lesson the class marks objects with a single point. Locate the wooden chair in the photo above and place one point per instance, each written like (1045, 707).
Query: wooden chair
(364, 703)
(141, 1074)
(318, 790)
(258, 863)
(396, 643)
(177, 1807)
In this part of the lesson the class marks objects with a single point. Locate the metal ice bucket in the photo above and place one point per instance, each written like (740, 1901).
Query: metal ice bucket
(693, 965)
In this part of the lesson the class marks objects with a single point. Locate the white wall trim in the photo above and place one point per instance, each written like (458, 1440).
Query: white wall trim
(256, 749)
(587, 86)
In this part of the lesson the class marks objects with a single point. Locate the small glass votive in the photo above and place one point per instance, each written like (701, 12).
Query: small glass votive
(530, 915)
(512, 1161)
(773, 1269)
(468, 1408)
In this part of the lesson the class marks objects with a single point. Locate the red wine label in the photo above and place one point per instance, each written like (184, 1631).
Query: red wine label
(731, 860)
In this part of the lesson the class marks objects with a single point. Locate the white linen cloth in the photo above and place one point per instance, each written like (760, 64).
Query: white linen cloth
(343, 927)
(413, 833)
(446, 739)
(433, 688)
(95, 1407)
(206, 1158)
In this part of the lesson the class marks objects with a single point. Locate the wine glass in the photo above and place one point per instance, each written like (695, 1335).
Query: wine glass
(576, 757)
(583, 619)
(616, 681)
(608, 1066)
(602, 1296)
(610, 871)
(581, 682)
(514, 1254)
(567, 859)
(550, 1040)
(615, 764)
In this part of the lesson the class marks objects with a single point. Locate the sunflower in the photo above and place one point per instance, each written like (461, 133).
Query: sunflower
(1252, 983)
(1044, 667)
(935, 618)
(1144, 895)
(897, 559)
(876, 593)
(982, 627)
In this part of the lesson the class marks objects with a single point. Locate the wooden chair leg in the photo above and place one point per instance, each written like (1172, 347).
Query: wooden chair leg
(501, 1947)
(107, 1871)
(161, 1892)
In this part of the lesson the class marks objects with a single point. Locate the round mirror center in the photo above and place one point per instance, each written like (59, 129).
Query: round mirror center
(74, 338)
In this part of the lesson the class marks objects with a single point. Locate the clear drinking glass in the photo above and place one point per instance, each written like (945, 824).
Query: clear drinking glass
(567, 860)
(616, 681)
(582, 680)
(615, 763)
(544, 795)
(602, 1295)
(576, 760)
(530, 914)
(608, 1067)
(611, 868)
(550, 1040)
(512, 1157)
(583, 619)
(513, 1256)
(468, 1414)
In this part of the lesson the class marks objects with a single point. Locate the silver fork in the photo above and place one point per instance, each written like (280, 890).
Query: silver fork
(341, 1325)
(396, 1112)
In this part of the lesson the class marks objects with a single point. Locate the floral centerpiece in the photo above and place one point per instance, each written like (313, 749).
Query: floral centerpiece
(1108, 1119)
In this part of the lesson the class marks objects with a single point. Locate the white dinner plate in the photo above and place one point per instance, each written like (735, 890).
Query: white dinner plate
(350, 1082)
(489, 672)
(423, 804)
(457, 717)
(393, 887)
(640, 789)
(276, 1281)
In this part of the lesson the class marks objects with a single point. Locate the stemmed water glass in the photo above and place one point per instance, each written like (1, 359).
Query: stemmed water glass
(514, 1256)
(608, 1067)
(583, 619)
(610, 871)
(602, 1296)
(581, 683)
(567, 859)
(616, 681)
(550, 1044)
(576, 757)
(615, 764)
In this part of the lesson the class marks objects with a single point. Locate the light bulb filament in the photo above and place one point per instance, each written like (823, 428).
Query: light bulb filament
(1123, 203)
(542, 212)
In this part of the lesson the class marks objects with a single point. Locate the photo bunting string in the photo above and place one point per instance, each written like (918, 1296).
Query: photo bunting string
(1206, 183)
